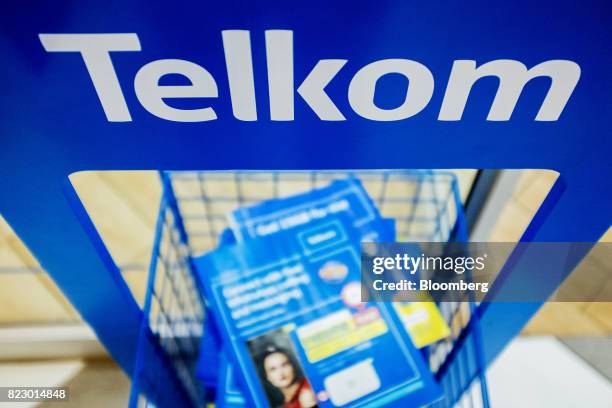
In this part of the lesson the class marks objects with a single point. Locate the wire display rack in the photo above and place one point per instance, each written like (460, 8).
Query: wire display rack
(426, 206)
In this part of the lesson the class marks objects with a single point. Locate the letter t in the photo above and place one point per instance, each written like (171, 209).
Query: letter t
(95, 50)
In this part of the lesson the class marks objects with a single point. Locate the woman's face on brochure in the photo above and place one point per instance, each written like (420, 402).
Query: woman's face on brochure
(279, 370)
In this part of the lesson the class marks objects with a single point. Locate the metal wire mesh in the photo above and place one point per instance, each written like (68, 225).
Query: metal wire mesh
(422, 203)
(173, 311)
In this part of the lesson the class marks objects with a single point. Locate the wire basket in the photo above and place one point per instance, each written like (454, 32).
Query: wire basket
(425, 204)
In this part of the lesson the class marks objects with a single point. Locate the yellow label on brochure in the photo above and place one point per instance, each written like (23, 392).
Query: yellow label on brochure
(423, 321)
(339, 331)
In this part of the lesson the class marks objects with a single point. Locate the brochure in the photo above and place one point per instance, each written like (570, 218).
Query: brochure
(423, 321)
(345, 196)
(288, 306)
(209, 359)
(348, 197)
(229, 394)
(210, 349)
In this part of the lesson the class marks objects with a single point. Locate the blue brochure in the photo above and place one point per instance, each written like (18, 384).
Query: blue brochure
(209, 359)
(346, 196)
(207, 366)
(289, 311)
(229, 395)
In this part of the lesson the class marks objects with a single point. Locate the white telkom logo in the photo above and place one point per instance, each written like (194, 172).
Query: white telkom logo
(95, 50)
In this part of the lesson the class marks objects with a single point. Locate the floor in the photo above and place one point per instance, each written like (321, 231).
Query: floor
(596, 351)
(92, 383)
(544, 372)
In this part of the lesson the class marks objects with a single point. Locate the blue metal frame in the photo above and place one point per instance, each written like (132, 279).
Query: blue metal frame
(53, 124)
(478, 195)
(172, 318)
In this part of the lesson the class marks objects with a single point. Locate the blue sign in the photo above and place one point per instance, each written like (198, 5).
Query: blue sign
(112, 85)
